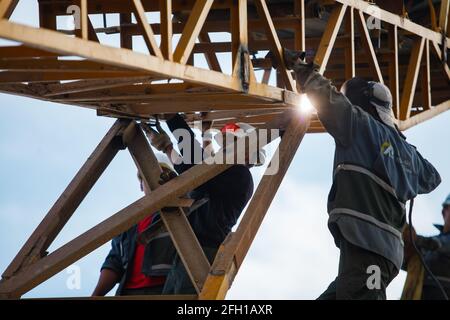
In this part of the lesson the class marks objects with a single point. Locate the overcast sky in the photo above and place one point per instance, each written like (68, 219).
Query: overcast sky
(42, 146)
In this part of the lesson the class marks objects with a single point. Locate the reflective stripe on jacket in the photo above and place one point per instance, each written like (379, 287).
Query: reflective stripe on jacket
(158, 256)
(375, 172)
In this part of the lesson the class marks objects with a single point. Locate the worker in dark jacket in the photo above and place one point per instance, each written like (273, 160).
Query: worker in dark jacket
(436, 253)
(375, 173)
(227, 194)
(139, 269)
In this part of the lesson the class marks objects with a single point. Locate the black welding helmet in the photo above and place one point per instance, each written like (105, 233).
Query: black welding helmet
(370, 93)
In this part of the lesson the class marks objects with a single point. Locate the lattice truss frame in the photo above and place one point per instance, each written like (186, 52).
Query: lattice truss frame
(125, 84)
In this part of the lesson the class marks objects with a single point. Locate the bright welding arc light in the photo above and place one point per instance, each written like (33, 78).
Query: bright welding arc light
(305, 105)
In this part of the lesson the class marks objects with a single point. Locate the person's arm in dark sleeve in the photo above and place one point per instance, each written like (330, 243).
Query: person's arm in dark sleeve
(107, 281)
(433, 244)
(196, 153)
(428, 243)
(429, 177)
(111, 270)
(333, 109)
(186, 143)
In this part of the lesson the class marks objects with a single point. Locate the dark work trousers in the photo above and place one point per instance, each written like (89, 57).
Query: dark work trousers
(351, 282)
(143, 291)
(178, 281)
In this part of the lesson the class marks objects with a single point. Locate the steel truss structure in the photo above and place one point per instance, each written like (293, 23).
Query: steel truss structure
(73, 67)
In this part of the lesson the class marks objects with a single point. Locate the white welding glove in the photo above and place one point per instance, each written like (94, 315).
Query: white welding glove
(158, 139)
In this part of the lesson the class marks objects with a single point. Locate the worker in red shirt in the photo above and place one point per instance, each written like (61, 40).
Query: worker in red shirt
(226, 194)
(139, 269)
